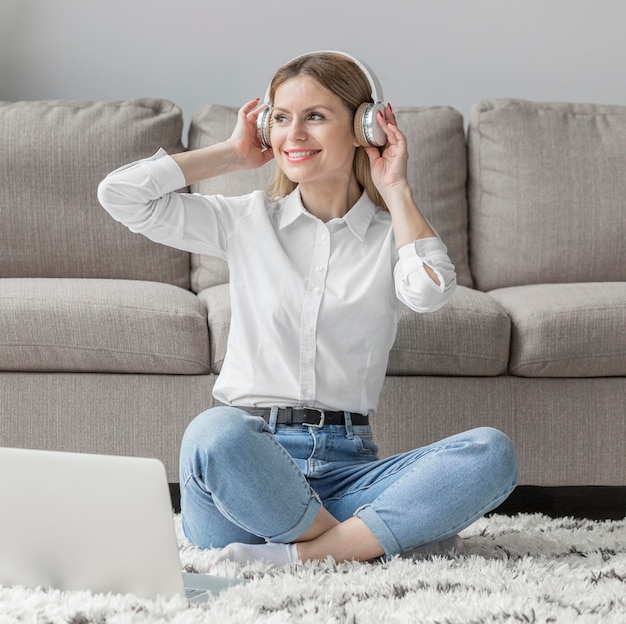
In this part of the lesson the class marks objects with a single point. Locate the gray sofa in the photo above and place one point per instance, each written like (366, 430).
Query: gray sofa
(111, 344)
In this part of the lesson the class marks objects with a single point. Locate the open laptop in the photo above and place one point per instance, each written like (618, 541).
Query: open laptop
(76, 521)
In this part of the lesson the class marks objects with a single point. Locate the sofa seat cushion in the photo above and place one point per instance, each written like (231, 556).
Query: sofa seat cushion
(216, 300)
(99, 325)
(468, 336)
(566, 330)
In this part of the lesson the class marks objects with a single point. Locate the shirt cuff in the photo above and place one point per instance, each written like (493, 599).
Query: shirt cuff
(163, 169)
(422, 248)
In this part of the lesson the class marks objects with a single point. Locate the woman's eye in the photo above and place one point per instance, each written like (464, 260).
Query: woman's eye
(282, 118)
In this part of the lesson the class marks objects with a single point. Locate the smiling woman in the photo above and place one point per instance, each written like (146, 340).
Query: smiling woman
(352, 87)
(320, 272)
(313, 141)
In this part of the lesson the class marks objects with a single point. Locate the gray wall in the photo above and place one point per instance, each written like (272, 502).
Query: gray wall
(425, 52)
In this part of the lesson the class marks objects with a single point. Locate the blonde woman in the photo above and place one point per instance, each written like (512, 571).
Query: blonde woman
(321, 268)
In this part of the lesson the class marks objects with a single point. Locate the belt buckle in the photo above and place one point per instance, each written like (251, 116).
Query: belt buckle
(322, 417)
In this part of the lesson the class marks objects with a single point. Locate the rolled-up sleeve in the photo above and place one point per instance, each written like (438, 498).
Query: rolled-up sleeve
(414, 287)
(142, 196)
(128, 193)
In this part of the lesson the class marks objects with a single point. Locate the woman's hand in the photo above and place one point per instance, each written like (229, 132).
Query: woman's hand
(389, 167)
(244, 140)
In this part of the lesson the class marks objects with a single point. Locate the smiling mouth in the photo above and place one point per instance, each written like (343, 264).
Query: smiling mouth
(301, 154)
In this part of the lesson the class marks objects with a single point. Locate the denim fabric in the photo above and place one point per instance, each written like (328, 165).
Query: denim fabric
(243, 480)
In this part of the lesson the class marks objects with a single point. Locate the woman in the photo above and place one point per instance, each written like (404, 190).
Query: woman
(319, 273)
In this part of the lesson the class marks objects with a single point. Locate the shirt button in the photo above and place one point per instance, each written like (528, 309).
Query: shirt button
(316, 291)
(324, 237)
(319, 268)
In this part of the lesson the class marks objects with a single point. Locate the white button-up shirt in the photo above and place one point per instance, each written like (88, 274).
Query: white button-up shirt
(315, 305)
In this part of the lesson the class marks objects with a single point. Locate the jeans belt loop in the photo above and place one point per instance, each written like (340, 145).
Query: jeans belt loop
(349, 431)
(273, 419)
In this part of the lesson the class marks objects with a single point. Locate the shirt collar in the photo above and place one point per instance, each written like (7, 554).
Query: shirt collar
(357, 219)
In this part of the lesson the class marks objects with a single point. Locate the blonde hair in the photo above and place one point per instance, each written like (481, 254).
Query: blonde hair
(343, 77)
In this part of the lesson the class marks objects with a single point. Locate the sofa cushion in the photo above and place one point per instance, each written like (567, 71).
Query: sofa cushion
(468, 336)
(216, 299)
(547, 192)
(53, 154)
(207, 271)
(437, 174)
(566, 330)
(99, 325)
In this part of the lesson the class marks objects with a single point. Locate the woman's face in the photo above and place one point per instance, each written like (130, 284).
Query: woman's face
(312, 134)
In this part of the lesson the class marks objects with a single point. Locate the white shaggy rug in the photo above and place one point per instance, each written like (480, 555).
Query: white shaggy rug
(526, 569)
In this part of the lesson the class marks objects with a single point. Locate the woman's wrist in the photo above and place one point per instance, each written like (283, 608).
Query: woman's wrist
(409, 223)
(398, 195)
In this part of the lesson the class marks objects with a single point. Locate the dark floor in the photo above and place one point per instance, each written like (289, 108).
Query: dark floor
(593, 502)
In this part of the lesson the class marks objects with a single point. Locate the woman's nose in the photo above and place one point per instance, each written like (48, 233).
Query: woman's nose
(297, 130)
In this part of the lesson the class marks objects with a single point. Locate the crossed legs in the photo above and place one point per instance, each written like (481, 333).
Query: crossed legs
(238, 484)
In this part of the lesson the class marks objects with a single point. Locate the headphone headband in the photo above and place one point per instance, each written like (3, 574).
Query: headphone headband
(377, 91)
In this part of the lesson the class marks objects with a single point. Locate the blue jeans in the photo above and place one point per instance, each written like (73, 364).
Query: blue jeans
(244, 480)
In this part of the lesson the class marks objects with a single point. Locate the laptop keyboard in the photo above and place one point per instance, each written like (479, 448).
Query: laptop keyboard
(190, 592)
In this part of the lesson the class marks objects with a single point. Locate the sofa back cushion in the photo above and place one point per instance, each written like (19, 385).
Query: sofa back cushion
(437, 174)
(53, 154)
(547, 193)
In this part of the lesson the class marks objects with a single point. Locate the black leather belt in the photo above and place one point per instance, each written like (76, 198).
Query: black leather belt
(308, 416)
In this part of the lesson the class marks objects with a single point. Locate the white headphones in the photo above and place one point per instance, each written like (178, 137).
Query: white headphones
(368, 132)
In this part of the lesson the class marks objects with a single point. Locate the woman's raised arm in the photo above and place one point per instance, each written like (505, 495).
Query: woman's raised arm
(242, 150)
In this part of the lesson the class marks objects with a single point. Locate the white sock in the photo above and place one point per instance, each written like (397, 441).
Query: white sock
(272, 553)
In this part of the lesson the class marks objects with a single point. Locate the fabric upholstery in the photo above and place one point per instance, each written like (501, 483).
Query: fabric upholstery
(437, 174)
(133, 414)
(216, 299)
(566, 330)
(566, 431)
(546, 193)
(556, 423)
(207, 271)
(468, 336)
(53, 154)
(97, 325)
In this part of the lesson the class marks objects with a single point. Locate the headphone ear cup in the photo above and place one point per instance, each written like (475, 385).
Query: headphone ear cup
(264, 127)
(270, 126)
(359, 131)
(366, 129)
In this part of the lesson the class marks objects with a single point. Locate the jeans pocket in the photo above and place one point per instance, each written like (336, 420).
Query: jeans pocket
(296, 442)
(366, 445)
